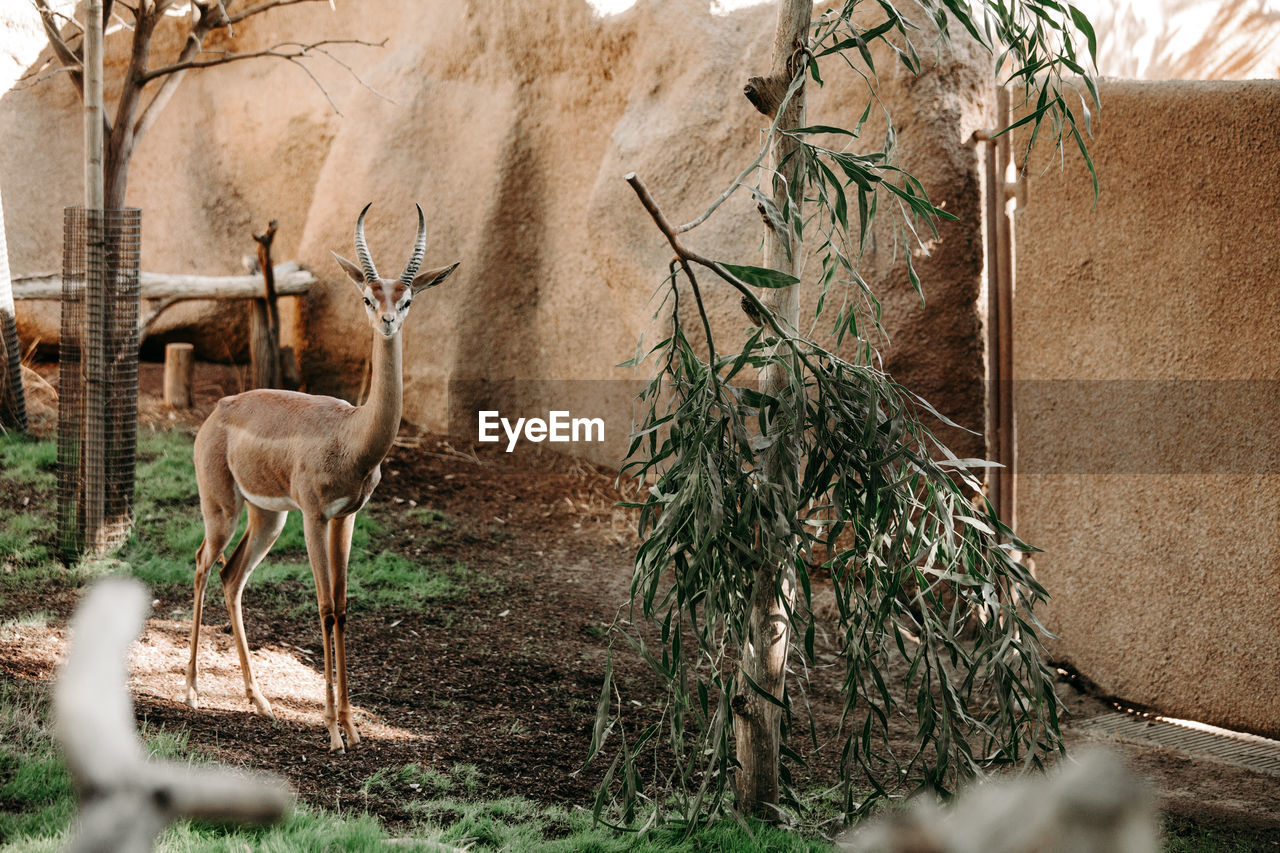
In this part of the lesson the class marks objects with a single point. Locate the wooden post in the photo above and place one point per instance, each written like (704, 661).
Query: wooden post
(264, 335)
(178, 367)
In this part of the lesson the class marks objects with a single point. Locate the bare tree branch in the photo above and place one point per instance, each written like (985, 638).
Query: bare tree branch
(262, 7)
(354, 76)
(68, 57)
(195, 41)
(37, 75)
(224, 57)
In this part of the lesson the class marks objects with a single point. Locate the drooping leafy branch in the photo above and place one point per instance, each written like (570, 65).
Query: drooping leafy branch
(934, 616)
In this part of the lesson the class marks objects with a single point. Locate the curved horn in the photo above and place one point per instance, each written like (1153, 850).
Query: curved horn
(362, 249)
(419, 251)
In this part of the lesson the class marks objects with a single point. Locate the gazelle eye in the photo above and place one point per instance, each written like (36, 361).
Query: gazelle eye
(368, 302)
(405, 306)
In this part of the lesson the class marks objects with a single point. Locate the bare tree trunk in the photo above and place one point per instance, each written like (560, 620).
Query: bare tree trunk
(13, 402)
(92, 458)
(757, 721)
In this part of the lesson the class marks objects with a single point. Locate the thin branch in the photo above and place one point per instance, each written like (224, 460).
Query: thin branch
(36, 76)
(195, 40)
(682, 255)
(753, 306)
(61, 50)
(263, 7)
(66, 19)
(354, 76)
(765, 147)
(225, 58)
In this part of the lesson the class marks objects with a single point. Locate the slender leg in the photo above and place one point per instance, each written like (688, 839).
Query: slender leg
(263, 529)
(209, 552)
(339, 552)
(316, 529)
(220, 505)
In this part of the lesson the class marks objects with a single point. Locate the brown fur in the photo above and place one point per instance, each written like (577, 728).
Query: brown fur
(274, 451)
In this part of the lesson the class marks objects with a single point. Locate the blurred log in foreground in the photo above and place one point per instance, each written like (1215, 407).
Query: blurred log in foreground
(1093, 805)
(126, 800)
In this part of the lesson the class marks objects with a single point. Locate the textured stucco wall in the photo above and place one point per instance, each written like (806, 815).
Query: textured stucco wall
(1147, 363)
(513, 122)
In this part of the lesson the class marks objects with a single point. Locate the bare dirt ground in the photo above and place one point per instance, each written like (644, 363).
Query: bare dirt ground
(505, 679)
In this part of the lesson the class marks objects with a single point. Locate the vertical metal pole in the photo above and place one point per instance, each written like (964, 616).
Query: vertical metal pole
(993, 191)
(1004, 323)
(93, 455)
(999, 250)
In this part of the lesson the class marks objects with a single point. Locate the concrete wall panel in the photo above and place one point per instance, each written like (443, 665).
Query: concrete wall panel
(1147, 363)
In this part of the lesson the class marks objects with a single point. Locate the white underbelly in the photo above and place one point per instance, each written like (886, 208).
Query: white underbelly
(345, 506)
(342, 506)
(279, 504)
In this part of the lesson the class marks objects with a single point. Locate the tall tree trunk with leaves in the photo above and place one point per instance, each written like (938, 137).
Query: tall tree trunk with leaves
(826, 457)
(757, 720)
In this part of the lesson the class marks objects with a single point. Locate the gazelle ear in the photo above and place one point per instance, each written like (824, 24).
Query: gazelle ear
(353, 272)
(430, 278)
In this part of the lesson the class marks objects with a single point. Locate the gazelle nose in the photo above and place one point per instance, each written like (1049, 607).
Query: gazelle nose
(388, 318)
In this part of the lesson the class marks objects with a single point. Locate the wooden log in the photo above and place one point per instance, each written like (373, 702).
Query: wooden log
(179, 364)
(290, 280)
(126, 797)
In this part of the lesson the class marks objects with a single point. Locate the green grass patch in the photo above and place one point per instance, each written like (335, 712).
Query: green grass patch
(29, 463)
(35, 786)
(409, 780)
(25, 541)
(10, 626)
(168, 529)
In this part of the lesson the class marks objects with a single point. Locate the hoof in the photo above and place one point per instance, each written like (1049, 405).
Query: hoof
(353, 736)
(192, 700)
(261, 707)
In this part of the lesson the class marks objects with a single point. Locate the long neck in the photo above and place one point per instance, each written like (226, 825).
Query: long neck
(379, 418)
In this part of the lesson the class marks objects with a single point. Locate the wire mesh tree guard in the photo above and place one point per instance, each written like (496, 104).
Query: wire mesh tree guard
(97, 378)
(13, 405)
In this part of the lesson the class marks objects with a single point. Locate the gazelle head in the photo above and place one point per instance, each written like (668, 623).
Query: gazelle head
(386, 300)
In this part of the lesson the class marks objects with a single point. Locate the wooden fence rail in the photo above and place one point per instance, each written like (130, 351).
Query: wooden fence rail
(164, 290)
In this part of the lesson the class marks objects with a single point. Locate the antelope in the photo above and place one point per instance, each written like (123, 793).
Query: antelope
(275, 451)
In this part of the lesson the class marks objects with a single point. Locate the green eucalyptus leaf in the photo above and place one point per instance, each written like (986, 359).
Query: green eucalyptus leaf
(759, 276)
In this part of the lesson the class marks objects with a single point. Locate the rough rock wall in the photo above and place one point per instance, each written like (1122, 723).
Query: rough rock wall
(1146, 358)
(513, 122)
